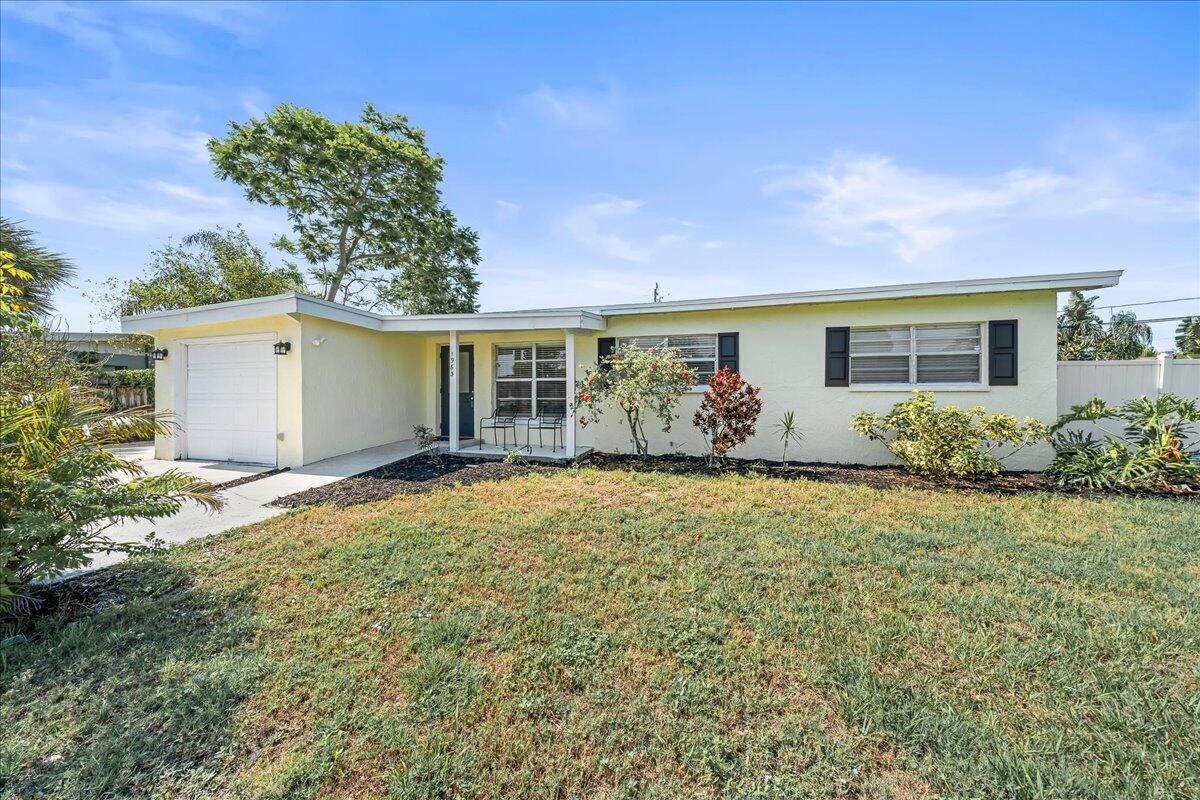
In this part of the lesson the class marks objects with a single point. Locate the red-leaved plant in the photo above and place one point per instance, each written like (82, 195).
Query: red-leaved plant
(727, 413)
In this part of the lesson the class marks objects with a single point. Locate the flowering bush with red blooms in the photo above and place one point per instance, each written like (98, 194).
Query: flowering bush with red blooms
(640, 383)
(727, 413)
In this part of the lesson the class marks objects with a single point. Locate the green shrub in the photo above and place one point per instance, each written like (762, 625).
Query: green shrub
(947, 441)
(1150, 451)
(62, 487)
(640, 383)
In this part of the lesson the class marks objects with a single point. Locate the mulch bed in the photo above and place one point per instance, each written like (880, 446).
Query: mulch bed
(860, 474)
(878, 477)
(258, 476)
(410, 476)
(423, 474)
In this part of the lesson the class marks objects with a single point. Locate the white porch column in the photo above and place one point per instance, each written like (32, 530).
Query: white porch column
(452, 406)
(570, 437)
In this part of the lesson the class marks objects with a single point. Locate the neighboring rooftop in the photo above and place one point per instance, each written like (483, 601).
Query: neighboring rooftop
(592, 317)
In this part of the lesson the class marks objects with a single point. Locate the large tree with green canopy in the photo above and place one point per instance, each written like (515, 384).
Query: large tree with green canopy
(209, 266)
(364, 200)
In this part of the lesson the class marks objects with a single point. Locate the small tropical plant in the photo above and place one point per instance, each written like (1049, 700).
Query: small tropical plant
(727, 414)
(15, 314)
(62, 487)
(789, 431)
(948, 441)
(1147, 449)
(641, 383)
(427, 442)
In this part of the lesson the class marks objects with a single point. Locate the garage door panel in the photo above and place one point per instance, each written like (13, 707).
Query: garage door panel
(231, 402)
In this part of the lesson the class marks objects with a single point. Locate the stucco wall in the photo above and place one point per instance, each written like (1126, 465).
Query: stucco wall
(782, 350)
(361, 388)
(168, 391)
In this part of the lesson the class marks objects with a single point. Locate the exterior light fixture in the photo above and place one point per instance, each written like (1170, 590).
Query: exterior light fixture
(159, 354)
(281, 348)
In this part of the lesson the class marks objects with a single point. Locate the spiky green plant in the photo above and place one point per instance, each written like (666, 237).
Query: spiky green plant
(789, 431)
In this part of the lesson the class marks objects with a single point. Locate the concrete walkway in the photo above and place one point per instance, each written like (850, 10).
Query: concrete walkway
(244, 504)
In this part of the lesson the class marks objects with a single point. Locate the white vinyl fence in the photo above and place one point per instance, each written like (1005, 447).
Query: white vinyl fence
(1118, 381)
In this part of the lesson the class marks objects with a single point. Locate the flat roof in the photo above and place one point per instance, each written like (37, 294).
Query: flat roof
(593, 318)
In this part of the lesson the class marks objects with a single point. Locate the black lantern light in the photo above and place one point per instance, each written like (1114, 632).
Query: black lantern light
(281, 348)
(159, 354)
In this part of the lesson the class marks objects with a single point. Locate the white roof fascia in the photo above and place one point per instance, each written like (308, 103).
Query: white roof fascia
(232, 311)
(593, 318)
(1061, 282)
(573, 319)
(292, 304)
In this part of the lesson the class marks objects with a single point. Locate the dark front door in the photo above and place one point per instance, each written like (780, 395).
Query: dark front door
(466, 391)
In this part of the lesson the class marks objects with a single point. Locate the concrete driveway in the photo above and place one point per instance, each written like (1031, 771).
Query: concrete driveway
(244, 504)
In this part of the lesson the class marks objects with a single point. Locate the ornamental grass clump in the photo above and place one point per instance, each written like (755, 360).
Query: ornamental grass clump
(948, 441)
(641, 384)
(727, 413)
(1154, 446)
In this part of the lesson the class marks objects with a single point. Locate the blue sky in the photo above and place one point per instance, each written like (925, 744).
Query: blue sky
(716, 149)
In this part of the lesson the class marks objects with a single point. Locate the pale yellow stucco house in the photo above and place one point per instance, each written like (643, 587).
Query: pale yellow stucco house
(289, 380)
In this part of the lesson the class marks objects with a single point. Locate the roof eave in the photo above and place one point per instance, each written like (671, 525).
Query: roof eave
(1059, 282)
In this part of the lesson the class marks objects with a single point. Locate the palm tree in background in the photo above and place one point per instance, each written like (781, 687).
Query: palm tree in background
(50, 271)
(1127, 338)
(1187, 338)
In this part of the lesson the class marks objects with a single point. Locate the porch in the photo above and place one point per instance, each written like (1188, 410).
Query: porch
(514, 386)
(472, 448)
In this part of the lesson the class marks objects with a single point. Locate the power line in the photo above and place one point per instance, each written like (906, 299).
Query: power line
(1151, 302)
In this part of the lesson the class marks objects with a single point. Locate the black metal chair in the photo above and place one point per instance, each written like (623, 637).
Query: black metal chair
(501, 420)
(548, 420)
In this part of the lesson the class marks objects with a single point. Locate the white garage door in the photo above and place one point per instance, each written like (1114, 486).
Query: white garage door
(231, 402)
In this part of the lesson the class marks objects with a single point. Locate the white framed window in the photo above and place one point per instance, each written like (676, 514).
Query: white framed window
(917, 354)
(698, 350)
(531, 379)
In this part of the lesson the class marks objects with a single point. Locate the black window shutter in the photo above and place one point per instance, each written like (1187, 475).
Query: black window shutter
(605, 347)
(1002, 352)
(727, 351)
(837, 356)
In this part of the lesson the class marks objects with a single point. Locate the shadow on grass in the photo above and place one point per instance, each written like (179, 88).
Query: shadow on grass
(148, 679)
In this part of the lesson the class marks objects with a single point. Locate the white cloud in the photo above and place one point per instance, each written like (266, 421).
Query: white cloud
(135, 130)
(587, 222)
(1142, 172)
(506, 209)
(109, 30)
(579, 109)
(162, 208)
(255, 102)
(81, 24)
(617, 227)
(242, 19)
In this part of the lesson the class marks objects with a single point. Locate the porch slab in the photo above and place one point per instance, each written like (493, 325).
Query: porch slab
(527, 453)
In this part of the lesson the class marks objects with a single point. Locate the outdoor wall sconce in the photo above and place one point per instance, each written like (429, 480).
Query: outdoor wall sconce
(159, 354)
(281, 348)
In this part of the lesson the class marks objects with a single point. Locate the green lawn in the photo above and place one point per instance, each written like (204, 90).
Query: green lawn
(603, 634)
